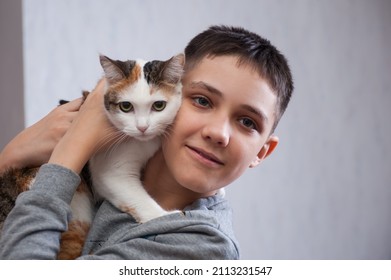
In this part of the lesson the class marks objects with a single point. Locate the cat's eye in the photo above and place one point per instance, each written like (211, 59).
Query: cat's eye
(125, 106)
(159, 106)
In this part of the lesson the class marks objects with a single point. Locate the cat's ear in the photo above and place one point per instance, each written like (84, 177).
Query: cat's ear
(115, 70)
(173, 69)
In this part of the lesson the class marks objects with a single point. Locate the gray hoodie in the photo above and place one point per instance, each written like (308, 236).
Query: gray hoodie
(33, 228)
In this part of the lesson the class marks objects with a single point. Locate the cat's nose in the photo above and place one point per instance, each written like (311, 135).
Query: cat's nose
(142, 128)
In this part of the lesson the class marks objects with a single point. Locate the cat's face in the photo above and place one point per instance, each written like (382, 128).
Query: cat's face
(142, 98)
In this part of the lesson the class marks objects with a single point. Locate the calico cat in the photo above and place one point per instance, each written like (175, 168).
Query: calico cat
(141, 100)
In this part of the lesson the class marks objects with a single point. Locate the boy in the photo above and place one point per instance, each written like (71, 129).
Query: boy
(236, 86)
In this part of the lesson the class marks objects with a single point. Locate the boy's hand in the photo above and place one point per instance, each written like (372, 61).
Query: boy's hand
(90, 131)
(33, 146)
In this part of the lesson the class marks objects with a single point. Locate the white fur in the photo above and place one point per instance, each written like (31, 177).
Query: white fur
(81, 207)
(31, 184)
(116, 173)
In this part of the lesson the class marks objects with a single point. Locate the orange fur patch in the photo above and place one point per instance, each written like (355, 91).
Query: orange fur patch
(72, 241)
(133, 76)
(23, 180)
(83, 188)
(131, 211)
(169, 91)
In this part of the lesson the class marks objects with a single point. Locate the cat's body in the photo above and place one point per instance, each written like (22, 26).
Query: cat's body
(12, 183)
(141, 107)
(15, 181)
(141, 100)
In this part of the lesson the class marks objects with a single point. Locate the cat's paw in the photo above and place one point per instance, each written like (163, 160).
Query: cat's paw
(176, 212)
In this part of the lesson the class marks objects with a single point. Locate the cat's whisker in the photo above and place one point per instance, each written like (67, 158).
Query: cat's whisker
(119, 137)
(166, 132)
(110, 140)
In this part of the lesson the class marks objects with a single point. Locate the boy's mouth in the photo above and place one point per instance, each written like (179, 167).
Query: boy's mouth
(208, 156)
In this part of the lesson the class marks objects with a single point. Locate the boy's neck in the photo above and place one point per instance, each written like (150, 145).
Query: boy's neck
(160, 184)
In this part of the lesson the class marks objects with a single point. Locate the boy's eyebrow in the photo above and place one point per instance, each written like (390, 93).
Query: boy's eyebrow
(207, 87)
(256, 111)
(214, 90)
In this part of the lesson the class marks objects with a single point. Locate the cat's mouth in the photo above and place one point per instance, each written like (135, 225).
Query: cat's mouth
(209, 156)
(145, 137)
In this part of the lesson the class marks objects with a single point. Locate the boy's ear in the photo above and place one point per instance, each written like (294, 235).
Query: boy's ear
(266, 150)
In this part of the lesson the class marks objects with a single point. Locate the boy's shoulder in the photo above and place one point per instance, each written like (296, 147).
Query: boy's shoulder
(203, 231)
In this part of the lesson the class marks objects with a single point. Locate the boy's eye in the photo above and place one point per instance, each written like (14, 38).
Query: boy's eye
(159, 106)
(125, 106)
(248, 123)
(201, 101)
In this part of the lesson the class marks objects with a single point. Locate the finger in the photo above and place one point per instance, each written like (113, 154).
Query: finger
(71, 116)
(99, 87)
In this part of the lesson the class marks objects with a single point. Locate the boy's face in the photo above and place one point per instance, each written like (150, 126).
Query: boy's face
(223, 126)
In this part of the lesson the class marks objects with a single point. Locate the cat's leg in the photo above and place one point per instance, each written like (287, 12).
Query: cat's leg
(72, 240)
(116, 177)
(128, 194)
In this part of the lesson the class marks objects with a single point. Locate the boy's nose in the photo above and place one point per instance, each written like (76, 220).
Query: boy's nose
(217, 131)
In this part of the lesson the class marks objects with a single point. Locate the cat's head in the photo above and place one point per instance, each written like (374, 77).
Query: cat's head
(142, 98)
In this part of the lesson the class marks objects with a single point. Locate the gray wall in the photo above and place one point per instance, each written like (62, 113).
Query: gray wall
(11, 70)
(325, 193)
